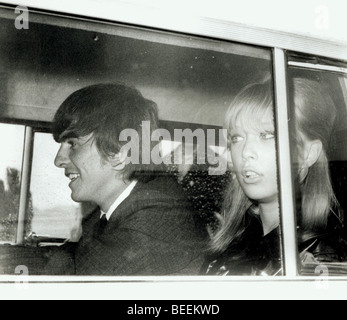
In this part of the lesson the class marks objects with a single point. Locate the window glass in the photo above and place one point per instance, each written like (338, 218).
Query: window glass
(193, 81)
(319, 144)
(11, 146)
(54, 213)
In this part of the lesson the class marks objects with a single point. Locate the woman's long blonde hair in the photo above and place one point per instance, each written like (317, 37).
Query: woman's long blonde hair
(314, 116)
(251, 103)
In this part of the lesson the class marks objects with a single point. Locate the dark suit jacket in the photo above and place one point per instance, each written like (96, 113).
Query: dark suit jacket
(152, 232)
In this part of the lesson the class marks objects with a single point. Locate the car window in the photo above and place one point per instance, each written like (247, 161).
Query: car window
(193, 80)
(11, 145)
(321, 212)
(54, 214)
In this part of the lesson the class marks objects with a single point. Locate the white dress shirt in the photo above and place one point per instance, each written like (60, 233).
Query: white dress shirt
(119, 200)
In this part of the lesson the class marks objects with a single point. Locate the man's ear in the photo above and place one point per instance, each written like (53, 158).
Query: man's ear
(313, 150)
(117, 161)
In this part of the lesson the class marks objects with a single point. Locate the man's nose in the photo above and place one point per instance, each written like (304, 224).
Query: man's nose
(62, 157)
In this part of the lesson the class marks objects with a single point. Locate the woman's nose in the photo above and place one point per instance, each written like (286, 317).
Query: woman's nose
(250, 150)
(62, 157)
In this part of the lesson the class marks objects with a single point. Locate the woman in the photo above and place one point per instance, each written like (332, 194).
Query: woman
(248, 241)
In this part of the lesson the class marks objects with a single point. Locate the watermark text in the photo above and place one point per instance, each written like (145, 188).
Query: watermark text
(22, 20)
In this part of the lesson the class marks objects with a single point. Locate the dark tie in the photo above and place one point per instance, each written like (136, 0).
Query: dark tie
(101, 225)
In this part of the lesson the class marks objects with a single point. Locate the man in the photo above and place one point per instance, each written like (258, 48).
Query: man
(143, 225)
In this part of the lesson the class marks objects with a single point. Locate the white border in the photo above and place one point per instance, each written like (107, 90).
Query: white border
(160, 288)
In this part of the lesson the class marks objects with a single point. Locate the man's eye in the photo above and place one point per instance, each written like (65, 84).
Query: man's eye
(72, 143)
(267, 135)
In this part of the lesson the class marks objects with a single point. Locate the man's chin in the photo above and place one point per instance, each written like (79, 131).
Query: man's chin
(76, 198)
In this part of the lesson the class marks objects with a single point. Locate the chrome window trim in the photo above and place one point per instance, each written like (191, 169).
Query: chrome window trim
(288, 220)
(319, 67)
(25, 183)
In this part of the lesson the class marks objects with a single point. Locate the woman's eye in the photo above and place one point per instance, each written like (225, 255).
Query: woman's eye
(236, 139)
(267, 135)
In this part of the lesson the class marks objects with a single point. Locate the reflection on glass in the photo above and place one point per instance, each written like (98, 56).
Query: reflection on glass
(204, 189)
(11, 146)
(55, 214)
(318, 134)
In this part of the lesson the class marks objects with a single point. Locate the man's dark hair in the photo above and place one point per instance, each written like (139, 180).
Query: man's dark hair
(105, 110)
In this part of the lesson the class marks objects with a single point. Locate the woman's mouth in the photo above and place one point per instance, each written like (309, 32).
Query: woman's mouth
(250, 176)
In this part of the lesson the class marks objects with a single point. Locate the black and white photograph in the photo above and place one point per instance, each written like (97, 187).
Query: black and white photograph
(173, 150)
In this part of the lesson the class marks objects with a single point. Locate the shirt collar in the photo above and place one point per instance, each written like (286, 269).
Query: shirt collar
(119, 200)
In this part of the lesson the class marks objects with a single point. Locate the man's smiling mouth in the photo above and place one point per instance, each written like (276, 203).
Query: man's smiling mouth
(73, 176)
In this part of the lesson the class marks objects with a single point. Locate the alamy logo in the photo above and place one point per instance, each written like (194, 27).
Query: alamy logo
(22, 20)
(185, 155)
(22, 278)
